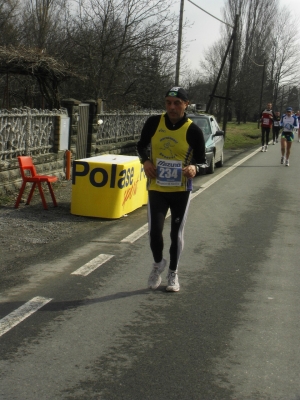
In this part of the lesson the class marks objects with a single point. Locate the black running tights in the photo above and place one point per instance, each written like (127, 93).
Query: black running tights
(265, 132)
(158, 205)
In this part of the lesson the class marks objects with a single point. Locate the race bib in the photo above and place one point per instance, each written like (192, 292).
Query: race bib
(168, 172)
(289, 127)
(266, 121)
(276, 123)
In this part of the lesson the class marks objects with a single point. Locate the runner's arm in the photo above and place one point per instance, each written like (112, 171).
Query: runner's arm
(195, 139)
(148, 131)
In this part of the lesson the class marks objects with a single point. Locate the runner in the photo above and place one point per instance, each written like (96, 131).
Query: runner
(276, 126)
(266, 119)
(298, 131)
(288, 122)
(177, 153)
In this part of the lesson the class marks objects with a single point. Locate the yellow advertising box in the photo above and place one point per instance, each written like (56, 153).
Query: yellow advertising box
(108, 186)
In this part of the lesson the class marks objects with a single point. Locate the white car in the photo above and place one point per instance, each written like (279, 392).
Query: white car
(214, 139)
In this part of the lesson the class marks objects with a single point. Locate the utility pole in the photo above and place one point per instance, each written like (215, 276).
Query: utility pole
(234, 33)
(211, 97)
(179, 44)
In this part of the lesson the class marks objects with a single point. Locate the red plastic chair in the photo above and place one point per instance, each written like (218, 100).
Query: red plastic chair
(26, 164)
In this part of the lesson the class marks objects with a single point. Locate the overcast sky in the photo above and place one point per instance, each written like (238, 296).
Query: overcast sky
(206, 30)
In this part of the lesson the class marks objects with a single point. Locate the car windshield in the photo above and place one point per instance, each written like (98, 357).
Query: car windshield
(204, 124)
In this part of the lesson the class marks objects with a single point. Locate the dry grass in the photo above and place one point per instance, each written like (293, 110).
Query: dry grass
(242, 136)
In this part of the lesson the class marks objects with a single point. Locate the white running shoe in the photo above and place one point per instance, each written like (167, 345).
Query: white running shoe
(173, 284)
(266, 148)
(263, 148)
(282, 160)
(287, 163)
(154, 279)
(274, 142)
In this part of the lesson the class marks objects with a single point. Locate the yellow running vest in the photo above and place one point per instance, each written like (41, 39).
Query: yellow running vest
(170, 152)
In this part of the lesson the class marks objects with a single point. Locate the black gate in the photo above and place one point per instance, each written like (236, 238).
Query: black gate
(82, 133)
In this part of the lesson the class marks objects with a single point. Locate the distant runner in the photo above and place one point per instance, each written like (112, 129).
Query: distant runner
(276, 126)
(266, 119)
(298, 116)
(288, 122)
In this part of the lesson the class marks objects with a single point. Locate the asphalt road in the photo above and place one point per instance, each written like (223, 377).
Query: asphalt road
(232, 332)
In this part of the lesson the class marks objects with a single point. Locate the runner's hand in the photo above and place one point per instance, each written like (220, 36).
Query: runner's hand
(189, 171)
(149, 169)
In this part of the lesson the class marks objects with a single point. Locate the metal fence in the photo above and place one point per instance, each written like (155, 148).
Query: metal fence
(31, 132)
(26, 132)
(117, 127)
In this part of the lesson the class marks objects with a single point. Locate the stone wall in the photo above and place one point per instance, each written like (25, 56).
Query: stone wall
(30, 132)
(38, 134)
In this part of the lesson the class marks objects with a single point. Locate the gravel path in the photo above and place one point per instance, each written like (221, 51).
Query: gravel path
(26, 231)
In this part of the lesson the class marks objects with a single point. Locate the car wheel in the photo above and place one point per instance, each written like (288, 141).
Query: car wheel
(221, 162)
(211, 168)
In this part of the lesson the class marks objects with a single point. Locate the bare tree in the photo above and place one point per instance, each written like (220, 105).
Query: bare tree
(284, 59)
(42, 24)
(125, 49)
(112, 39)
(266, 37)
(38, 27)
(8, 22)
(257, 21)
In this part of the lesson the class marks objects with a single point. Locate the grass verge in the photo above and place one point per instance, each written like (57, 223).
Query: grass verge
(242, 136)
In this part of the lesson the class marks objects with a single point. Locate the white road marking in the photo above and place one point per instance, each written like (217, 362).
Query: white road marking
(144, 229)
(92, 265)
(136, 235)
(222, 174)
(102, 258)
(17, 316)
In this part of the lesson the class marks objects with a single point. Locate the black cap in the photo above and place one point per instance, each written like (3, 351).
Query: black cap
(179, 92)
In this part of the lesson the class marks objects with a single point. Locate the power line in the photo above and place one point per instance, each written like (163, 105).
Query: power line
(211, 15)
(243, 47)
(258, 65)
